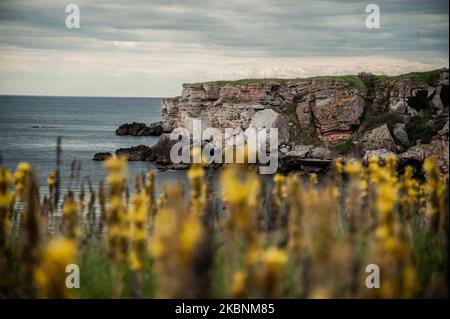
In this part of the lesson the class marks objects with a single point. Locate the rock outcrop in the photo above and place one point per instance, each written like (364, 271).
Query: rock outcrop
(378, 138)
(140, 129)
(102, 156)
(317, 119)
(327, 109)
(135, 153)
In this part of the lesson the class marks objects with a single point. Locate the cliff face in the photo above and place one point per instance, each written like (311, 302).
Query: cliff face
(324, 111)
(300, 109)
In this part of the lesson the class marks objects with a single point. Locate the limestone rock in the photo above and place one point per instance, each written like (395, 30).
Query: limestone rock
(300, 151)
(321, 152)
(415, 153)
(380, 153)
(378, 138)
(400, 134)
(398, 107)
(270, 119)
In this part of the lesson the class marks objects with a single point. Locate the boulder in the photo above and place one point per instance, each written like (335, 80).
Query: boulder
(400, 134)
(398, 107)
(140, 129)
(378, 138)
(380, 153)
(102, 156)
(321, 152)
(300, 151)
(414, 153)
(135, 153)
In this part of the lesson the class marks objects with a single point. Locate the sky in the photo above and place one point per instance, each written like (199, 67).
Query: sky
(149, 48)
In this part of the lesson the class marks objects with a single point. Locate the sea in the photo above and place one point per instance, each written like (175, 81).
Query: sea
(30, 125)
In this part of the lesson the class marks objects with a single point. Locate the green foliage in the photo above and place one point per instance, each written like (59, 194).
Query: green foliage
(424, 126)
(344, 147)
(352, 80)
(429, 261)
(252, 81)
(374, 120)
(430, 77)
(419, 101)
(96, 279)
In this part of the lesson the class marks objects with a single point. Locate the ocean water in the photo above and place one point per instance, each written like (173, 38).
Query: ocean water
(29, 126)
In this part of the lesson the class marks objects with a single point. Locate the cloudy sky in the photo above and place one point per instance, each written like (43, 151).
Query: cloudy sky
(149, 48)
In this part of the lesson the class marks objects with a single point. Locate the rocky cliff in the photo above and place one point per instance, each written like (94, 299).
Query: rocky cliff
(345, 115)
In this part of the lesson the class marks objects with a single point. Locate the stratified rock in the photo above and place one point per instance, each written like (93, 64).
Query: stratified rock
(102, 156)
(321, 152)
(438, 149)
(380, 153)
(400, 134)
(329, 108)
(271, 119)
(300, 151)
(334, 110)
(135, 153)
(378, 138)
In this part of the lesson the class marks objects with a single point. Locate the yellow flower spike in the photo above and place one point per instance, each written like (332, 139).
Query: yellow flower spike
(24, 167)
(353, 168)
(51, 178)
(190, 236)
(50, 276)
(275, 258)
(338, 166)
(312, 178)
(239, 284)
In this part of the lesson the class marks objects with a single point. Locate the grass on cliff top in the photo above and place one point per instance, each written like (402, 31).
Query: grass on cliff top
(252, 81)
(428, 77)
(352, 80)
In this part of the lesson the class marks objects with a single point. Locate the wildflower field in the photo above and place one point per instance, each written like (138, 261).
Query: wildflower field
(314, 238)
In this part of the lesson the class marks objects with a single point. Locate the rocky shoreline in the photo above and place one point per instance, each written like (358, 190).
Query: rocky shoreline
(318, 119)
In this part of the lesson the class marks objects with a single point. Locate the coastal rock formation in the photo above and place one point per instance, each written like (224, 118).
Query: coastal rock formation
(136, 153)
(102, 156)
(317, 119)
(326, 108)
(140, 129)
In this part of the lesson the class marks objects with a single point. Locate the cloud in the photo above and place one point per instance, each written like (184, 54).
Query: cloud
(149, 47)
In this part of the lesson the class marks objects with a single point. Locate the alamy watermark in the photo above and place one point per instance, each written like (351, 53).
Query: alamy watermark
(232, 145)
(73, 17)
(373, 19)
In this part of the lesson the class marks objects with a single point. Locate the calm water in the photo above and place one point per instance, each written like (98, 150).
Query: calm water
(29, 126)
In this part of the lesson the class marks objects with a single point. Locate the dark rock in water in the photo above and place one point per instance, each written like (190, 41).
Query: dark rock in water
(101, 156)
(136, 153)
(160, 151)
(140, 129)
(289, 163)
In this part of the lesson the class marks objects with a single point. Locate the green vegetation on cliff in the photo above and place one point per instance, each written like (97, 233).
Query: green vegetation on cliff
(427, 77)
